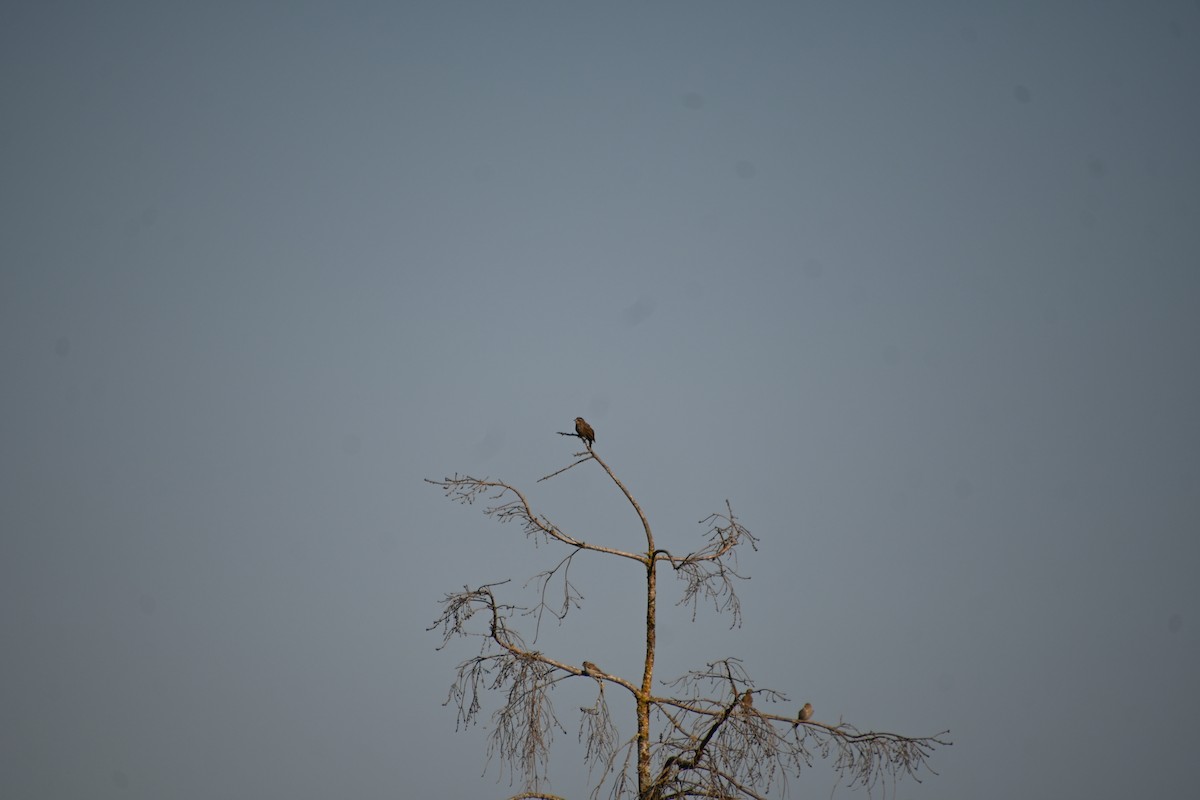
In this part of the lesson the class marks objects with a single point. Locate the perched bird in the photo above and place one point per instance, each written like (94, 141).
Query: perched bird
(805, 714)
(748, 700)
(591, 669)
(585, 431)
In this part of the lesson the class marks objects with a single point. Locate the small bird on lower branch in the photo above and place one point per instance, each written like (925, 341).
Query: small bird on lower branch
(584, 431)
(591, 669)
(805, 714)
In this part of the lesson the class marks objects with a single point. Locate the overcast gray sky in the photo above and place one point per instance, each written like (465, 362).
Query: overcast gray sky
(916, 286)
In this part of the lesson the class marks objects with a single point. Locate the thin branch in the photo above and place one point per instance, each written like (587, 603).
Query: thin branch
(567, 467)
(466, 489)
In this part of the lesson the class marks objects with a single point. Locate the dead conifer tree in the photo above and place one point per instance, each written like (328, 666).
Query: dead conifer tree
(702, 736)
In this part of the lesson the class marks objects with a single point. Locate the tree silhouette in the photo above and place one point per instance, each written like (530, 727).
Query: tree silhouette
(702, 737)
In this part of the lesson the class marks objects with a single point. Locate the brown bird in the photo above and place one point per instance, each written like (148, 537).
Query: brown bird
(805, 714)
(591, 669)
(748, 700)
(585, 431)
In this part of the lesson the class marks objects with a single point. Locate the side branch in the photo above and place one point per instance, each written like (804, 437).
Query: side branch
(710, 571)
(523, 729)
(466, 490)
(720, 748)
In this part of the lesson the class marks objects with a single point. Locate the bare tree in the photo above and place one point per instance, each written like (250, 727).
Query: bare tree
(703, 737)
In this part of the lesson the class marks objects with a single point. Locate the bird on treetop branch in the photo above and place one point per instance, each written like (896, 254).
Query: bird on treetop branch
(584, 431)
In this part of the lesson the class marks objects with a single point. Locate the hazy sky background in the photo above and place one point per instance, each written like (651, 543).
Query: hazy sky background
(916, 286)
